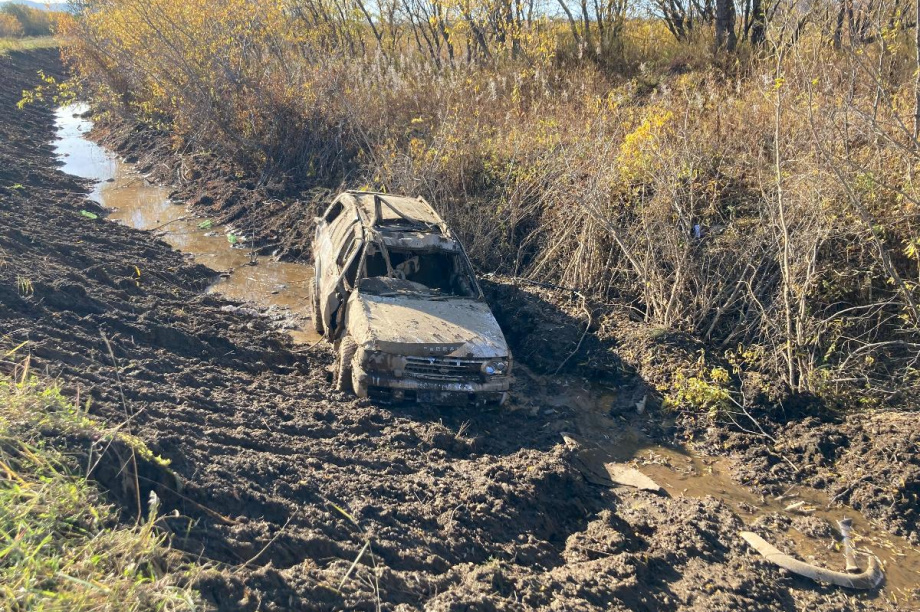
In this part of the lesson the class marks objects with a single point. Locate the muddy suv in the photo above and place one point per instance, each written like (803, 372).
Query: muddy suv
(395, 291)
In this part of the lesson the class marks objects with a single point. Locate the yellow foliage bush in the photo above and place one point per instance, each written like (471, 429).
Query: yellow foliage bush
(10, 26)
(32, 21)
(640, 148)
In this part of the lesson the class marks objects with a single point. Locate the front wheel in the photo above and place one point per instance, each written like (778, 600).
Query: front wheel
(359, 389)
(347, 350)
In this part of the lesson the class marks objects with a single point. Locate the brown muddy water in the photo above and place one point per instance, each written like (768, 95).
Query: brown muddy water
(609, 437)
(135, 202)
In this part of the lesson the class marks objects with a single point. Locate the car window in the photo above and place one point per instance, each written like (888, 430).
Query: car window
(347, 245)
(334, 210)
(440, 271)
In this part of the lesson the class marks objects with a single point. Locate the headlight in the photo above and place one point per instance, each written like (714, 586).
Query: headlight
(495, 367)
(398, 363)
(376, 361)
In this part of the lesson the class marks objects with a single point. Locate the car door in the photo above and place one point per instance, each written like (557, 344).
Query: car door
(347, 243)
(336, 243)
(323, 254)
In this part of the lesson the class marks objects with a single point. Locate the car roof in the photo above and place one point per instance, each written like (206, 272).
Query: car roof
(394, 208)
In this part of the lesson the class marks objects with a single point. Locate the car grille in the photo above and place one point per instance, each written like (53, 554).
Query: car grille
(444, 368)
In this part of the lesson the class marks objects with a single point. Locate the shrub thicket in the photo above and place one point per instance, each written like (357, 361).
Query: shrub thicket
(21, 20)
(10, 26)
(764, 199)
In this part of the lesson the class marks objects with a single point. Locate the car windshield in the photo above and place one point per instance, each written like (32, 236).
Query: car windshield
(389, 287)
(423, 273)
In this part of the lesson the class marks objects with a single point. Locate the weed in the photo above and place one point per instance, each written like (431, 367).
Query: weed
(24, 285)
(61, 546)
(50, 89)
(707, 388)
(706, 392)
(27, 44)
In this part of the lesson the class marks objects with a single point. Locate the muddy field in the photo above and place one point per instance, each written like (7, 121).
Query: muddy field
(867, 460)
(281, 483)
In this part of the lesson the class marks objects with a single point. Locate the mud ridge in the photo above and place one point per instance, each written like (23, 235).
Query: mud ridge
(277, 215)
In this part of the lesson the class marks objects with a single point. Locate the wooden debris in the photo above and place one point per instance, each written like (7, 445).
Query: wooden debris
(869, 579)
(590, 463)
(800, 507)
(631, 477)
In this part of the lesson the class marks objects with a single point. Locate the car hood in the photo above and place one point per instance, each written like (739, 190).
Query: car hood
(455, 327)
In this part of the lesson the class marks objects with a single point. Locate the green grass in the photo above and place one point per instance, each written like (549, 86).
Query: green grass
(28, 43)
(62, 546)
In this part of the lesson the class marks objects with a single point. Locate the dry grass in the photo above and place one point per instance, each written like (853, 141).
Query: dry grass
(61, 544)
(764, 201)
(28, 43)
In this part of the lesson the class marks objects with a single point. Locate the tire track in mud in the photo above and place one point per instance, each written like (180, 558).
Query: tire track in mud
(282, 481)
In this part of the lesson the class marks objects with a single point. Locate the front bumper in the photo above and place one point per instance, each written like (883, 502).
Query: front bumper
(407, 388)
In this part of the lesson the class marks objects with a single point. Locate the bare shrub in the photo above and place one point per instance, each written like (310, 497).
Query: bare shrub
(765, 203)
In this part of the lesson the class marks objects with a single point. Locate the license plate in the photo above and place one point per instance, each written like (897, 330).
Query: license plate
(442, 398)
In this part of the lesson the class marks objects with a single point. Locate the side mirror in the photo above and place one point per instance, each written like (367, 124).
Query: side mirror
(317, 220)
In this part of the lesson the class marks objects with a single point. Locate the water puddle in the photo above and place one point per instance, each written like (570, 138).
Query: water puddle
(133, 201)
(81, 157)
(619, 437)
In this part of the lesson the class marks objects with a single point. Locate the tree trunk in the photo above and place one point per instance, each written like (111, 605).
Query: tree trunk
(725, 25)
(589, 40)
(573, 25)
(758, 23)
(917, 69)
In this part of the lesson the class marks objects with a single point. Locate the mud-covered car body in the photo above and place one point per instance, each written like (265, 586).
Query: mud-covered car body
(396, 292)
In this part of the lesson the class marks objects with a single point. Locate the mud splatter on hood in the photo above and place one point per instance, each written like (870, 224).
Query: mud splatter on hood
(457, 327)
